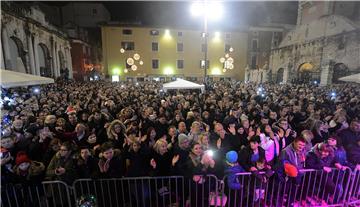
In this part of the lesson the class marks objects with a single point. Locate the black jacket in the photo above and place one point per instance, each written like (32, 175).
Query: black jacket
(245, 157)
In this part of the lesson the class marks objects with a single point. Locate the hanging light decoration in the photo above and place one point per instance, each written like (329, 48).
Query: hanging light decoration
(222, 59)
(141, 62)
(122, 50)
(130, 61)
(227, 61)
(133, 67)
(126, 70)
(136, 56)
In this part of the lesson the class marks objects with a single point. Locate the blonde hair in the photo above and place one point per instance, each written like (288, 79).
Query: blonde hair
(158, 144)
(202, 136)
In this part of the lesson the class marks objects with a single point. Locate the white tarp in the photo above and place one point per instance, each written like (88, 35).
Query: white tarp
(182, 84)
(10, 79)
(351, 78)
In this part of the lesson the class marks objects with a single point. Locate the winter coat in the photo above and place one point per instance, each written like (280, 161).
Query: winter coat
(69, 163)
(87, 169)
(348, 137)
(116, 166)
(341, 158)
(314, 160)
(245, 157)
(163, 164)
(354, 154)
(33, 175)
(232, 178)
(137, 162)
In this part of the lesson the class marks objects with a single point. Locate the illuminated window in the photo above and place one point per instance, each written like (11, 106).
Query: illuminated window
(128, 45)
(202, 64)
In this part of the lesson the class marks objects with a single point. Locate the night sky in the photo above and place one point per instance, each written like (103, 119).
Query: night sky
(177, 13)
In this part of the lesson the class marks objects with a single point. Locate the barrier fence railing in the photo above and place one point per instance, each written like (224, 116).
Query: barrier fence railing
(311, 188)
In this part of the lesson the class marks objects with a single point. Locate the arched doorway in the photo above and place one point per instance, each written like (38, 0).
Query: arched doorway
(280, 75)
(44, 60)
(339, 70)
(17, 55)
(307, 73)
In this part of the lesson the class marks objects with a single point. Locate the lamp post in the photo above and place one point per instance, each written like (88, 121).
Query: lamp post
(207, 10)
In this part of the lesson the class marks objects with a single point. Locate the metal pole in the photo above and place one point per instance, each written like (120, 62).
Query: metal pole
(206, 45)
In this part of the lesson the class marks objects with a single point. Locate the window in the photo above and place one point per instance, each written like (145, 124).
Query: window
(227, 48)
(254, 44)
(180, 47)
(155, 64)
(180, 64)
(227, 35)
(203, 48)
(202, 64)
(155, 46)
(128, 45)
(253, 62)
(154, 32)
(127, 31)
(180, 34)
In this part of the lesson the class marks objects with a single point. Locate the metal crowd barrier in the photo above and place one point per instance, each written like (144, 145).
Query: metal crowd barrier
(312, 188)
(45, 194)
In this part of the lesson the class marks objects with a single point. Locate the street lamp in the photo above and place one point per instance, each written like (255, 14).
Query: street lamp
(208, 10)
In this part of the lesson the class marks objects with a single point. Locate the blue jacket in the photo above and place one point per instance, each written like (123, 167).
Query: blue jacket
(232, 178)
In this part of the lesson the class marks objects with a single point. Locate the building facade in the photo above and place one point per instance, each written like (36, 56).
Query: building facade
(260, 42)
(168, 53)
(81, 21)
(30, 44)
(324, 45)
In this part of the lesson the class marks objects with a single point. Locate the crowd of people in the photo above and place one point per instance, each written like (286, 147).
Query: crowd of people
(71, 130)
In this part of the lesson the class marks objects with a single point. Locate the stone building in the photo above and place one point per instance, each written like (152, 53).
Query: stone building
(30, 44)
(324, 45)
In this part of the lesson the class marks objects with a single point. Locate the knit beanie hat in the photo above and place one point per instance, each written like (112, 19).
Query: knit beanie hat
(70, 110)
(290, 170)
(182, 138)
(21, 157)
(231, 157)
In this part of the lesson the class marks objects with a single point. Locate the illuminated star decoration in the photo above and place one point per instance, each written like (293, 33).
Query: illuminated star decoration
(227, 61)
(132, 61)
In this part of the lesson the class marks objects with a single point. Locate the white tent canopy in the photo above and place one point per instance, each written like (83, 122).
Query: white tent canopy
(182, 84)
(351, 78)
(10, 79)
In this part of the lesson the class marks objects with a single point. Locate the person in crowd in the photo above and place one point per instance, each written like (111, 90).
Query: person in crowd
(351, 134)
(116, 133)
(86, 164)
(308, 136)
(321, 157)
(136, 155)
(232, 167)
(161, 158)
(249, 155)
(63, 166)
(353, 154)
(26, 170)
(111, 163)
(320, 131)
